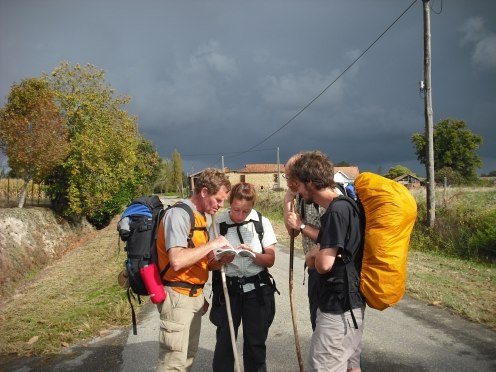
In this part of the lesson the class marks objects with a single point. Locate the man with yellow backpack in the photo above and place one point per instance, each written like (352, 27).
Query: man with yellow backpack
(360, 255)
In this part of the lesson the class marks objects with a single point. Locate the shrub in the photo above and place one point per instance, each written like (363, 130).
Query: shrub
(269, 203)
(465, 225)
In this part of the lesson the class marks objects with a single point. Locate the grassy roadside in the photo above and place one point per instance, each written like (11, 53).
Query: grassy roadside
(77, 297)
(73, 299)
(464, 288)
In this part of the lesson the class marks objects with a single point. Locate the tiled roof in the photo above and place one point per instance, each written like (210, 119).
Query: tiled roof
(399, 178)
(261, 168)
(351, 172)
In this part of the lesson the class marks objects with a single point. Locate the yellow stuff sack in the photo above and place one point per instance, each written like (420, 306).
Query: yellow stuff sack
(390, 213)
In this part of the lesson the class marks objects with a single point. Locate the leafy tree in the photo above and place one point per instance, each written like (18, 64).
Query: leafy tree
(33, 134)
(148, 168)
(342, 164)
(177, 173)
(109, 162)
(162, 184)
(398, 170)
(455, 147)
(187, 188)
(453, 178)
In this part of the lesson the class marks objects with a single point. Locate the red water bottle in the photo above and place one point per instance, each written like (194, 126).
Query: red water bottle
(153, 283)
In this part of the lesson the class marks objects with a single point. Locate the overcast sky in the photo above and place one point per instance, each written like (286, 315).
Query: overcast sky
(219, 78)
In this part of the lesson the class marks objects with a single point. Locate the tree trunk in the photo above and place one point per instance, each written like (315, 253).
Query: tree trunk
(24, 191)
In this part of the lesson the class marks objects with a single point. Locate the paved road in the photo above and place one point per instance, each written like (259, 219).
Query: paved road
(411, 336)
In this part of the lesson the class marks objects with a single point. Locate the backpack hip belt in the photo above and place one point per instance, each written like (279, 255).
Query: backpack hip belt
(192, 287)
(235, 283)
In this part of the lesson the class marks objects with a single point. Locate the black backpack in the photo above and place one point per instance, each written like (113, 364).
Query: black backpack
(138, 228)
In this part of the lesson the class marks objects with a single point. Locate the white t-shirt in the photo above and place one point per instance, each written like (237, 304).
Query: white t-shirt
(244, 266)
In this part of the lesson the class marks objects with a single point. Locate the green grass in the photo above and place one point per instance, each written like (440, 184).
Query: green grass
(464, 287)
(465, 225)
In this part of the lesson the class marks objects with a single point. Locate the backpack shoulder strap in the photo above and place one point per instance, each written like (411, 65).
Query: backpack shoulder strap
(302, 210)
(188, 209)
(259, 228)
(223, 227)
(192, 229)
(341, 188)
(349, 200)
(156, 226)
(358, 208)
(352, 276)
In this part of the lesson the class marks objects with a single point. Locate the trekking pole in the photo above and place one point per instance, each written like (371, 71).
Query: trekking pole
(291, 297)
(228, 305)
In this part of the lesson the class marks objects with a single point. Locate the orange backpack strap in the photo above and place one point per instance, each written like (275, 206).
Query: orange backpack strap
(192, 229)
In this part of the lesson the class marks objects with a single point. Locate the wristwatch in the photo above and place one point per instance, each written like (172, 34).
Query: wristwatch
(302, 227)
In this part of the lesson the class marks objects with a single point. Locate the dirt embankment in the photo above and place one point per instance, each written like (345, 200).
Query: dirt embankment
(30, 238)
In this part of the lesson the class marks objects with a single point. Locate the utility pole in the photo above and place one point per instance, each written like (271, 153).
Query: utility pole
(429, 126)
(222, 163)
(278, 171)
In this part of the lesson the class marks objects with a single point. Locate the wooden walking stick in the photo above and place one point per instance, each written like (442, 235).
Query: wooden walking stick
(228, 305)
(291, 297)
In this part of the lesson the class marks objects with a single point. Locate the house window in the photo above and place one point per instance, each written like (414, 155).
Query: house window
(276, 178)
(242, 178)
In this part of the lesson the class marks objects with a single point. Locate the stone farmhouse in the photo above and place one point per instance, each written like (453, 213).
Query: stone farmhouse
(270, 176)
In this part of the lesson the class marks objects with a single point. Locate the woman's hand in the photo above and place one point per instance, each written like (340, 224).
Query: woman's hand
(246, 247)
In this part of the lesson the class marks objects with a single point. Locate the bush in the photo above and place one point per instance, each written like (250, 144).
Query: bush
(269, 203)
(465, 222)
(465, 226)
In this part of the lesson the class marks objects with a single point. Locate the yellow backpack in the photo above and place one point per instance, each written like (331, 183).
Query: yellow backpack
(390, 214)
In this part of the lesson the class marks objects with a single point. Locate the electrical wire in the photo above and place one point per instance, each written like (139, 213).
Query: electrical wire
(440, 9)
(331, 84)
(251, 149)
(234, 153)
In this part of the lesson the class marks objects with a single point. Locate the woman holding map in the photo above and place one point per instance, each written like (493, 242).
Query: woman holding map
(251, 287)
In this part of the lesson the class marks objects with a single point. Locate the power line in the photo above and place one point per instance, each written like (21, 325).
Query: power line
(331, 84)
(234, 153)
(251, 149)
(439, 11)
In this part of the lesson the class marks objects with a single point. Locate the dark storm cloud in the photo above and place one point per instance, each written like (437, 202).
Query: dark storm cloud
(216, 78)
